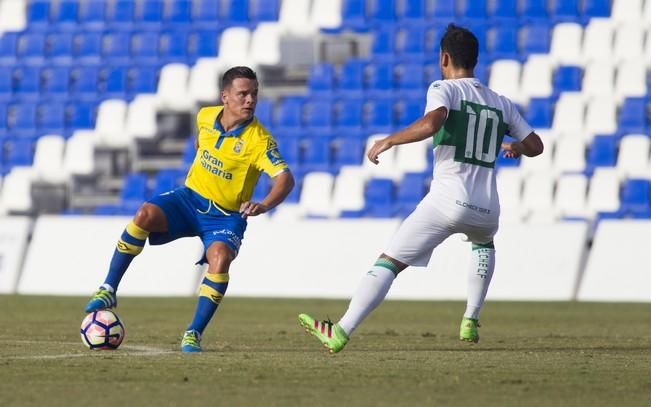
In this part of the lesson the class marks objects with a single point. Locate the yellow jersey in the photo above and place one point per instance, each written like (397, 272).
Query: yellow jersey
(227, 164)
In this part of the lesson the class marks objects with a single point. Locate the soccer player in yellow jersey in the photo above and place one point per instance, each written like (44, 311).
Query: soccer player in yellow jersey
(233, 148)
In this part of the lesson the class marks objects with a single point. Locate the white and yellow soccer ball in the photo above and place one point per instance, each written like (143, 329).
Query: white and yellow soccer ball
(102, 330)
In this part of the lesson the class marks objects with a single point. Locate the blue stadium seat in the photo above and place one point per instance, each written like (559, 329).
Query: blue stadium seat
(412, 45)
(353, 15)
(38, 14)
(3, 123)
(383, 47)
(504, 43)
(167, 179)
(537, 37)
(380, 80)
(540, 112)
(51, 119)
(411, 80)
(481, 72)
(121, 13)
(635, 195)
(505, 11)
(189, 152)
(207, 14)
(262, 188)
(534, 10)
(179, 12)
(117, 48)
(134, 192)
(602, 152)
(236, 13)
(205, 43)
(318, 118)
(114, 83)
(20, 151)
(595, 8)
(84, 82)
(143, 79)
(565, 11)
(410, 110)
(80, 115)
(8, 48)
(348, 151)
(349, 115)
(24, 120)
(474, 10)
(145, 47)
(60, 51)
(31, 48)
(89, 51)
(443, 11)
(56, 83)
(65, 15)
(350, 82)
(632, 116)
(174, 47)
(264, 112)
(316, 155)
(320, 81)
(6, 84)
(290, 149)
(28, 83)
(290, 114)
(92, 14)
(413, 12)
(379, 196)
(149, 14)
(567, 79)
(433, 43)
(267, 10)
(382, 11)
(411, 191)
(480, 29)
(380, 116)
(432, 73)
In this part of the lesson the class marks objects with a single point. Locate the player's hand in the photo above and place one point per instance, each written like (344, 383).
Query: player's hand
(378, 148)
(250, 208)
(509, 151)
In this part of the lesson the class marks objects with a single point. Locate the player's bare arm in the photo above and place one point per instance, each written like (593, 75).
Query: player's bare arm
(419, 130)
(531, 146)
(283, 184)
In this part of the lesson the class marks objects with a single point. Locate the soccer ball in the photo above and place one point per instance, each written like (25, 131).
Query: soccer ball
(102, 330)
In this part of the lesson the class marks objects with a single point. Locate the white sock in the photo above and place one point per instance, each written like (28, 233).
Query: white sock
(479, 278)
(108, 287)
(369, 294)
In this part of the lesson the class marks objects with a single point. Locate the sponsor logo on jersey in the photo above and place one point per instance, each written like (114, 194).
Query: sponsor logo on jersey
(214, 165)
(274, 156)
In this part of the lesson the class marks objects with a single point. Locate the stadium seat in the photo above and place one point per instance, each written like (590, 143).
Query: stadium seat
(326, 15)
(15, 196)
(631, 80)
(433, 43)
(629, 42)
(570, 197)
(149, 14)
(321, 80)
(65, 14)
(632, 116)
(265, 11)
(635, 195)
(316, 195)
(628, 11)
(289, 114)
(168, 179)
(111, 116)
(350, 82)
(78, 158)
(265, 44)
(505, 78)
(387, 161)
(145, 47)
(264, 112)
(432, 73)
(566, 42)
(93, 14)
(412, 12)
(318, 118)
(294, 17)
(509, 188)
(317, 155)
(117, 48)
(89, 49)
(569, 114)
(410, 192)
(51, 118)
(601, 117)
(262, 188)
(379, 118)
(141, 117)
(504, 11)
(379, 197)
(234, 46)
(84, 81)
(380, 80)
(114, 84)
(28, 83)
(48, 159)
(537, 196)
(541, 163)
(205, 43)
(534, 10)
(20, 152)
(174, 47)
(348, 151)
(173, 88)
(536, 38)
(383, 46)
(80, 115)
(565, 11)
(603, 194)
(633, 156)
(536, 78)
(569, 155)
(411, 45)
(596, 8)
(24, 119)
(6, 84)
(412, 157)
(179, 13)
(8, 48)
(348, 194)
(602, 152)
(382, 11)
(567, 79)
(31, 49)
(411, 80)
(353, 14)
(38, 14)
(410, 110)
(236, 12)
(539, 112)
(203, 86)
(290, 149)
(503, 43)
(207, 13)
(349, 115)
(60, 50)
(470, 11)
(134, 192)
(597, 40)
(142, 79)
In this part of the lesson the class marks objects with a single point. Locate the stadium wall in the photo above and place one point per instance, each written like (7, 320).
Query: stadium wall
(326, 259)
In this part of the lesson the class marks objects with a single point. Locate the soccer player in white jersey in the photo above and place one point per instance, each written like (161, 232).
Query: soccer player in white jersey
(467, 121)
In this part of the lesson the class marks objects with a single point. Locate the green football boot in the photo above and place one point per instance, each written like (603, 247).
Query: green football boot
(102, 299)
(468, 331)
(191, 342)
(331, 335)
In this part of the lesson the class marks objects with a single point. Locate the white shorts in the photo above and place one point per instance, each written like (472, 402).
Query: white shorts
(427, 227)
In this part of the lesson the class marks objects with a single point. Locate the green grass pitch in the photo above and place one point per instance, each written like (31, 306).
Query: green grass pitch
(256, 354)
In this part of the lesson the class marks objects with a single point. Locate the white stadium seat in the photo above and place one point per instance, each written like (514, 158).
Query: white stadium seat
(569, 155)
(509, 189)
(234, 47)
(204, 83)
(386, 168)
(601, 117)
(603, 195)
(567, 40)
(633, 156)
(16, 196)
(536, 77)
(570, 198)
(265, 44)
(295, 19)
(538, 194)
(111, 117)
(599, 78)
(505, 78)
(12, 15)
(629, 42)
(316, 194)
(141, 117)
(626, 11)
(48, 159)
(78, 158)
(630, 80)
(542, 162)
(598, 39)
(569, 115)
(348, 192)
(326, 13)
(173, 88)
(412, 157)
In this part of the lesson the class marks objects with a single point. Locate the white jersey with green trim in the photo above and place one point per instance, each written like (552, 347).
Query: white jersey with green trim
(467, 145)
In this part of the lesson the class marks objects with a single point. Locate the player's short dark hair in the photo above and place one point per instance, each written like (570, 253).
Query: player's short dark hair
(237, 72)
(462, 45)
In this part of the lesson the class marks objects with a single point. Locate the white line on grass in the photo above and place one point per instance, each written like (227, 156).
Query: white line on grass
(132, 350)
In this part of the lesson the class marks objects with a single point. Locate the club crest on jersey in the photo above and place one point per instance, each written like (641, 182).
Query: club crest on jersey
(238, 146)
